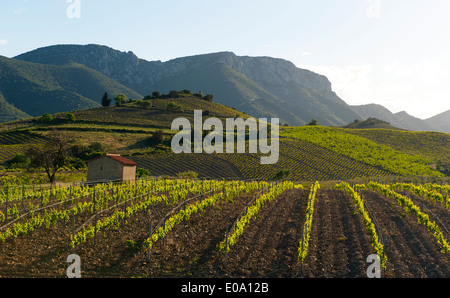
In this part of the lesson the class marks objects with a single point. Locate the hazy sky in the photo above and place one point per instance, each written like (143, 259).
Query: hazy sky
(390, 52)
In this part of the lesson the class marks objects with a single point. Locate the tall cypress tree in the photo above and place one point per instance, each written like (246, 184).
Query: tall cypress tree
(106, 101)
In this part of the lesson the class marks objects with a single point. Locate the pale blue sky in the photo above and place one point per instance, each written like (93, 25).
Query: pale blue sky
(391, 52)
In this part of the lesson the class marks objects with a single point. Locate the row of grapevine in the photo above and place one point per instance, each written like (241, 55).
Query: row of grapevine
(326, 164)
(363, 150)
(443, 189)
(424, 191)
(178, 194)
(197, 207)
(15, 198)
(302, 250)
(93, 200)
(37, 220)
(306, 162)
(359, 203)
(422, 217)
(205, 165)
(113, 220)
(251, 212)
(20, 206)
(179, 191)
(15, 193)
(13, 138)
(8, 151)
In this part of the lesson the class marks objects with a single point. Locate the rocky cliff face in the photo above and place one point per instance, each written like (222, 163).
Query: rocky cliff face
(304, 93)
(271, 73)
(126, 67)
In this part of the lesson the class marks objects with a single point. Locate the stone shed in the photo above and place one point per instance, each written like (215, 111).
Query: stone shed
(111, 167)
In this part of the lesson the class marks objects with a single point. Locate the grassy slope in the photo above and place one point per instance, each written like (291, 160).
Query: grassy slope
(430, 145)
(364, 150)
(30, 87)
(308, 152)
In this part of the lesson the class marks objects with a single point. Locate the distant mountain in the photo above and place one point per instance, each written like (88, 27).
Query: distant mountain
(412, 123)
(75, 76)
(373, 110)
(370, 123)
(32, 89)
(260, 86)
(441, 122)
(403, 119)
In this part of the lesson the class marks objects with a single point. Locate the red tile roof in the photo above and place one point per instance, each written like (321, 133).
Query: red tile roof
(122, 160)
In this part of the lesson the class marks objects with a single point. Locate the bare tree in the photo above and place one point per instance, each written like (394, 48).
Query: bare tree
(52, 155)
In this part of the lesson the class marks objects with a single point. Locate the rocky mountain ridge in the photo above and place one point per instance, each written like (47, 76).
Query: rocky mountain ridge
(259, 86)
(296, 89)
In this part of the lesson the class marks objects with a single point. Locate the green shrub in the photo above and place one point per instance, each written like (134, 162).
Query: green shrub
(120, 100)
(171, 106)
(144, 104)
(188, 174)
(142, 173)
(70, 117)
(209, 97)
(46, 118)
(19, 161)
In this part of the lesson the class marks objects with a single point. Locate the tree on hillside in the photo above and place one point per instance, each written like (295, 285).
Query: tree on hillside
(144, 103)
(158, 137)
(120, 100)
(70, 117)
(156, 94)
(199, 94)
(313, 122)
(171, 106)
(174, 94)
(46, 118)
(209, 97)
(106, 101)
(52, 156)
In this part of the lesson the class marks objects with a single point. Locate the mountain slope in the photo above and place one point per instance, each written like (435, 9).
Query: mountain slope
(241, 92)
(412, 123)
(371, 123)
(295, 94)
(441, 122)
(10, 113)
(401, 119)
(34, 89)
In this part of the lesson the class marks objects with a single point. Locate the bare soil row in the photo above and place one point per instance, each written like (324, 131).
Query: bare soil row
(339, 245)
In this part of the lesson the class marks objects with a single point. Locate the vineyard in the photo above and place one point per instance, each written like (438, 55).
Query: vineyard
(306, 162)
(16, 141)
(171, 164)
(226, 228)
(432, 145)
(368, 151)
(307, 153)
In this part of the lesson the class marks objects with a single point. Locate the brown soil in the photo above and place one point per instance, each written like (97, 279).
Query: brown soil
(411, 249)
(339, 245)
